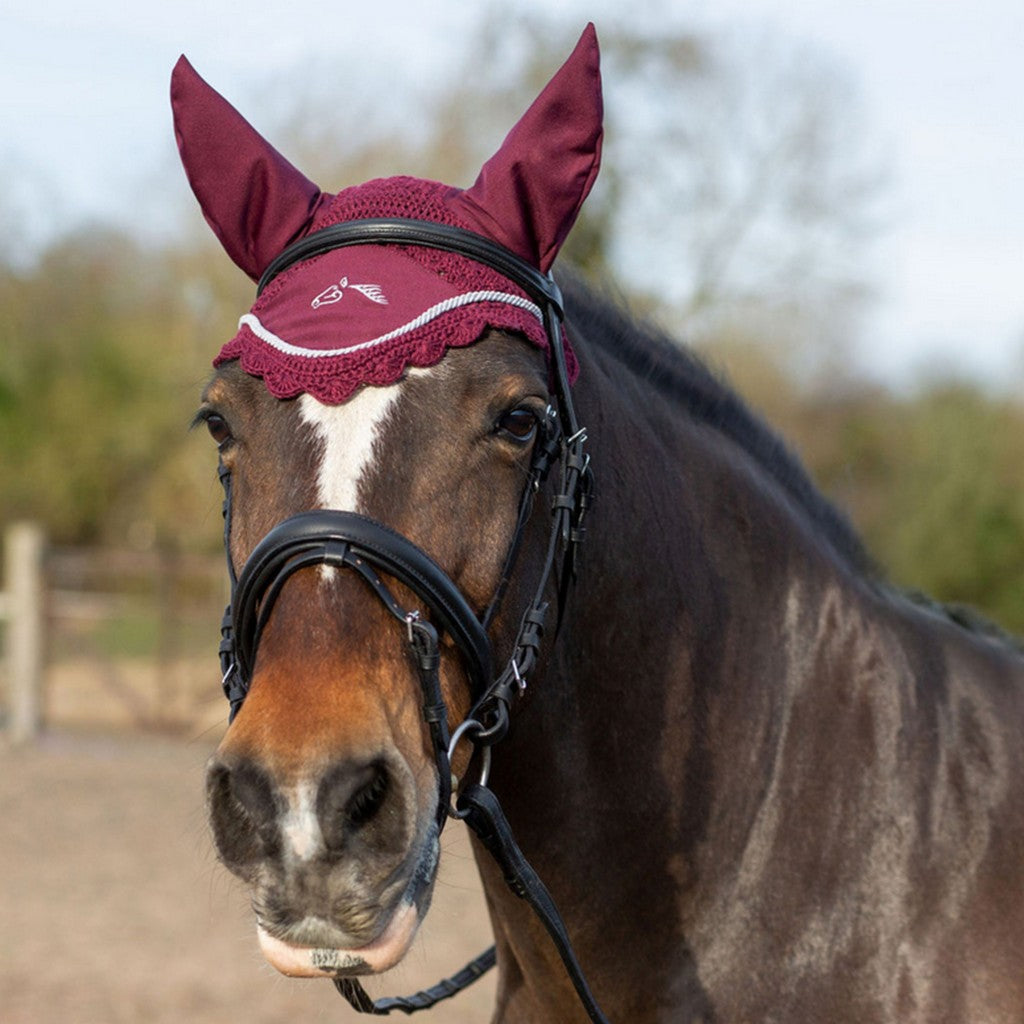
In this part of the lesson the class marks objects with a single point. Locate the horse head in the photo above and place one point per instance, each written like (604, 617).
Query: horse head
(415, 404)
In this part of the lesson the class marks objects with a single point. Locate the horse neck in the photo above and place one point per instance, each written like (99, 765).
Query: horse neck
(664, 690)
(740, 733)
(702, 584)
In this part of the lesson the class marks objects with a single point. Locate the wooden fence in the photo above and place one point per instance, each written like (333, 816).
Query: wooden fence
(21, 608)
(106, 637)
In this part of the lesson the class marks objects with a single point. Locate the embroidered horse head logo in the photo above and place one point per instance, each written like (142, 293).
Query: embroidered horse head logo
(336, 292)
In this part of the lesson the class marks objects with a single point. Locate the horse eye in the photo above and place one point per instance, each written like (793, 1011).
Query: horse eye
(218, 428)
(519, 424)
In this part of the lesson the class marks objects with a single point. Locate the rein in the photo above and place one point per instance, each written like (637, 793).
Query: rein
(355, 542)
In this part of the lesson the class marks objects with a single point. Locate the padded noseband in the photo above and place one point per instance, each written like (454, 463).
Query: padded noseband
(352, 541)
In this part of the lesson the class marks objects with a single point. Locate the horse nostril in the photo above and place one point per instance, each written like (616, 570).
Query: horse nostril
(367, 800)
(243, 814)
(350, 798)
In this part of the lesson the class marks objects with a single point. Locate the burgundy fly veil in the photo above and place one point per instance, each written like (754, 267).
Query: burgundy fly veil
(364, 313)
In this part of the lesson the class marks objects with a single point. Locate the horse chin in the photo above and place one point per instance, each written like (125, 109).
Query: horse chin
(324, 962)
(298, 960)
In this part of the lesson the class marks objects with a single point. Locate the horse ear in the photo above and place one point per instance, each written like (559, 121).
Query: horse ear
(529, 193)
(255, 200)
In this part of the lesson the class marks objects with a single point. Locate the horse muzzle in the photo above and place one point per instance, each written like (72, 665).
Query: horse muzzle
(341, 866)
(334, 956)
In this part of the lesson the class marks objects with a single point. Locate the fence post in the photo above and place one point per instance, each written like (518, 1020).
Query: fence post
(23, 558)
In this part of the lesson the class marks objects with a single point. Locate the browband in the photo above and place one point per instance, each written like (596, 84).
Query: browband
(426, 233)
(540, 287)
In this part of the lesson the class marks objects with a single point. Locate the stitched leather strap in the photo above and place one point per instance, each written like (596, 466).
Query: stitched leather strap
(483, 814)
(429, 234)
(361, 1001)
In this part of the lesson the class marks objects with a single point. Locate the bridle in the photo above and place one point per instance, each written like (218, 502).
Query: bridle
(369, 548)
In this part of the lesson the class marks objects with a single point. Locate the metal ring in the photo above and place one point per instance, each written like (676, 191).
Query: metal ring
(462, 730)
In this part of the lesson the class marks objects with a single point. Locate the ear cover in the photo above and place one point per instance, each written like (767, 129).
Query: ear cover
(361, 315)
(255, 200)
(529, 193)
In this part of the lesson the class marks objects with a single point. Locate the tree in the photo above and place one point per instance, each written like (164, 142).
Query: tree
(100, 367)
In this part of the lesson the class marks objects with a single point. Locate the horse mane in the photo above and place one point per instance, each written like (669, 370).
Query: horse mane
(648, 353)
(653, 356)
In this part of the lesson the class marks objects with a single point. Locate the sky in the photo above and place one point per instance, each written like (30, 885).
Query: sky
(85, 126)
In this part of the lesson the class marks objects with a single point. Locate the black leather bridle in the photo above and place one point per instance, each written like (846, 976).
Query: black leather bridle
(369, 548)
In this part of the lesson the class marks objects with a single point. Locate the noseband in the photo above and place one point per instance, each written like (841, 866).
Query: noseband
(347, 540)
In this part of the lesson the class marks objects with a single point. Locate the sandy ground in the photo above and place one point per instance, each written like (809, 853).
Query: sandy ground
(113, 909)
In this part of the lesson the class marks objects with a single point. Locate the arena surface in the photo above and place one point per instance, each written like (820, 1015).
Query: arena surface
(114, 910)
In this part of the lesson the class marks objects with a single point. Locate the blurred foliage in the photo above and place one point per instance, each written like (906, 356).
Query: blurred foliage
(102, 349)
(936, 483)
(933, 479)
(105, 344)
(741, 162)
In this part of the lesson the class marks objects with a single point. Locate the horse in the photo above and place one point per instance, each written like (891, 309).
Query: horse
(759, 782)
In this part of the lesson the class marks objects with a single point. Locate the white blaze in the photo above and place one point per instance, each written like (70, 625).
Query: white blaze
(346, 433)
